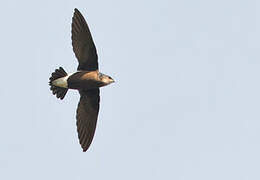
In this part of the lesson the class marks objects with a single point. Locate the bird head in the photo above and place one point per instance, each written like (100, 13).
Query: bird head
(105, 79)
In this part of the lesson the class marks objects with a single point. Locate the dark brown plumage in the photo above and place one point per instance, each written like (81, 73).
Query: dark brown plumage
(58, 91)
(88, 107)
(82, 42)
(87, 80)
(87, 114)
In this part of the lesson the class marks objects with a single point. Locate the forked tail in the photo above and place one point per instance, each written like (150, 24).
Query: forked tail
(58, 91)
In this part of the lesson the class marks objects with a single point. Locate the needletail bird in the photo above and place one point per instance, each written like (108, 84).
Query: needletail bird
(87, 80)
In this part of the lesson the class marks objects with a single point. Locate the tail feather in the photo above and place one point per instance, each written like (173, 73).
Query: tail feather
(58, 91)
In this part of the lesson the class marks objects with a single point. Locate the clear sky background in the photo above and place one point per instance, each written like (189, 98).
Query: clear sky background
(185, 104)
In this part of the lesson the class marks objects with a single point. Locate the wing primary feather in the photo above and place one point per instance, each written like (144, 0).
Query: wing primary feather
(82, 42)
(76, 26)
(87, 113)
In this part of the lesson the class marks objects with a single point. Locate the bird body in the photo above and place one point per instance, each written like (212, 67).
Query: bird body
(87, 80)
(83, 80)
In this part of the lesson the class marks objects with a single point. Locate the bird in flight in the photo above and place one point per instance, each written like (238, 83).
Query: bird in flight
(87, 80)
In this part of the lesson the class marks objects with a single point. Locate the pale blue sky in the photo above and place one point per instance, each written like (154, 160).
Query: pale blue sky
(185, 104)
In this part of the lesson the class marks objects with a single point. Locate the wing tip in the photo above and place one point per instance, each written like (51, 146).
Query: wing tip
(76, 11)
(84, 148)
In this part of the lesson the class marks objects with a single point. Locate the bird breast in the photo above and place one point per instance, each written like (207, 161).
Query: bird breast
(84, 80)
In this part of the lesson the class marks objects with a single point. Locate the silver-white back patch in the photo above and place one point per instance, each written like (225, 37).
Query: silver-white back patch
(62, 82)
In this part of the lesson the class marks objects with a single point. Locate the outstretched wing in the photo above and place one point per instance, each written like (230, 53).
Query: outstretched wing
(82, 42)
(87, 114)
